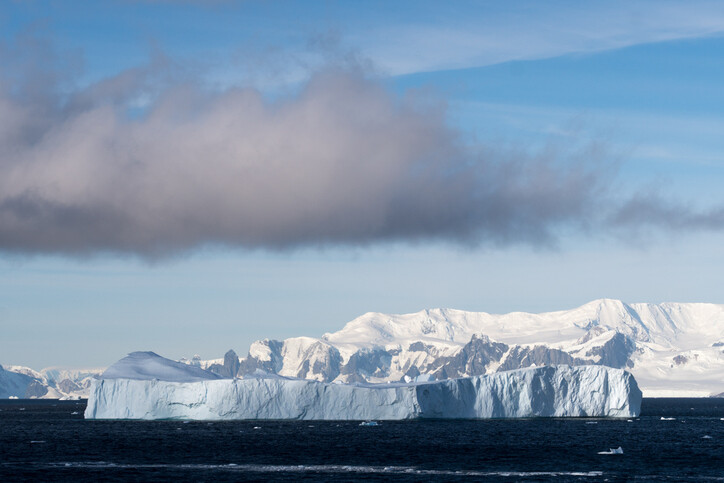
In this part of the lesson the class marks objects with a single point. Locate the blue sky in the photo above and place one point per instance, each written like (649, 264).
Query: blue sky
(490, 156)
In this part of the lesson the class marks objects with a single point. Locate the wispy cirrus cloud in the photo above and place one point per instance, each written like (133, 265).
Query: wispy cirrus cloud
(484, 34)
(459, 35)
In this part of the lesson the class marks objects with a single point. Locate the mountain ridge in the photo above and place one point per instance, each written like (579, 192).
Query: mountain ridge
(668, 341)
(671, 348)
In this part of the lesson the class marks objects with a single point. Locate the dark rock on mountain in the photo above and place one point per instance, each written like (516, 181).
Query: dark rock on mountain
(369, 363)
(471, 360)
(250, 364)
(680, 360)
(231, 363)
(616, 352)
(539, 355)
(36, 389)
(67, 386)
(230, 367)
(325, 361)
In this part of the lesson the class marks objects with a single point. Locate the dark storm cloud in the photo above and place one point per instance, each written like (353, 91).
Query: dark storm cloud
(146, 164)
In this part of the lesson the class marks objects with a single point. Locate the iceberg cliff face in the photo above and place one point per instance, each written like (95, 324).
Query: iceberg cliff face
(551, 391)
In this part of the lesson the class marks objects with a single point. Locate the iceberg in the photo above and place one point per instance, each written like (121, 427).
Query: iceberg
(135, 388)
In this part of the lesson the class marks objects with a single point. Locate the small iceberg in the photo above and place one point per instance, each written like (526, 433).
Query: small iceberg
(591, 422)
(369, 423)
(667, 419)
(618, 450)
(706, 436)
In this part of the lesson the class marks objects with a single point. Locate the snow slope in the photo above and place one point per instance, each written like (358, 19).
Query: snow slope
(13, 384)
(668, 324)
(560, 391)
(147, 366)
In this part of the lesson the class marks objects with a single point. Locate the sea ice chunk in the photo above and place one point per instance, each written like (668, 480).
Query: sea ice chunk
(618, 450)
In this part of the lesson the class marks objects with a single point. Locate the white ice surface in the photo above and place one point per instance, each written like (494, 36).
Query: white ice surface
(618, 450)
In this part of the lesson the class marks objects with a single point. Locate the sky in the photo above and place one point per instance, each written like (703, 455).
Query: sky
(190, 176)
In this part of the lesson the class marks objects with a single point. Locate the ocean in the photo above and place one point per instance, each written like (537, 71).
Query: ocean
(673, 440)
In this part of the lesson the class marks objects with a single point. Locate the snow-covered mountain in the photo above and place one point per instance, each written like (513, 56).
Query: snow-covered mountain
(58, 383)
(49, 383)
(671, 348)
(13, 383)
(674, 349)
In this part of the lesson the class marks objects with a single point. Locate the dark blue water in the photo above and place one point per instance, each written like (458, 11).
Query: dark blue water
(49, 441)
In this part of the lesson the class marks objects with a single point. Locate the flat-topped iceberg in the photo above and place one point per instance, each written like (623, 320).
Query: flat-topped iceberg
(127, 392)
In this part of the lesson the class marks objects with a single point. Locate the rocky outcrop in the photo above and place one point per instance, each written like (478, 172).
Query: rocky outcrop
(680, 360)
(367, 363)
(472, 360)
(67, 386)
(270, 362)
(230, 367)
(520, 357)
(36, 389)
(616, 352)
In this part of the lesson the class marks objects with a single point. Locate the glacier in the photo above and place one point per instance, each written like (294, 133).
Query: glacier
(124, 392)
